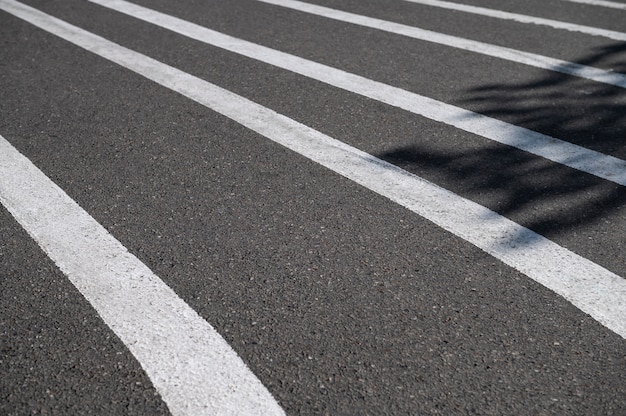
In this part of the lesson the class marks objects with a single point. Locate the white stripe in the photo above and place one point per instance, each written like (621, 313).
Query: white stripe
(513, 55)
(591, 288)
(191, 366)
(595, 163)
(602, 3)
(521, 18)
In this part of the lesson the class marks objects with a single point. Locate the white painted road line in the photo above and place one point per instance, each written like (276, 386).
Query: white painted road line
(195, 371)
(610, 4)
(522, 18)
(590, 287)
(500, 52)
(577, 157)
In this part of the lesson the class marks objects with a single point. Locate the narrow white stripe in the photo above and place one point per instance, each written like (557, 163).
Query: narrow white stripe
(191, 366)
(259, 52)
(602, 3)
(598, 164)
(521, 18)
(591, 288)
(513, 55)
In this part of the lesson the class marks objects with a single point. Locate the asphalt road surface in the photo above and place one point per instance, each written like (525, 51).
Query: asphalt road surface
(366, 207)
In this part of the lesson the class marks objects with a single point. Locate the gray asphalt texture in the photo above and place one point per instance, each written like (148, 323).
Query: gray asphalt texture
(339, 301)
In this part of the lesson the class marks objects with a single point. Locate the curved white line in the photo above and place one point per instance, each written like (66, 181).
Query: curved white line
(189, 363)
(595, 163)
(590, 287)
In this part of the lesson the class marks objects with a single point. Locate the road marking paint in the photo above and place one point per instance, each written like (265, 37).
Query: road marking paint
(590, 287)
(500, 52)
(602, 3)
(577, 157)
(190, 364)
(522, 18)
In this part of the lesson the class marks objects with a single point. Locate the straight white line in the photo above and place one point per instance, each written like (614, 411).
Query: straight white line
(598, 164)
(611, 4)
(590, 287)
(500, 52)
(191, 366)
(522, 18)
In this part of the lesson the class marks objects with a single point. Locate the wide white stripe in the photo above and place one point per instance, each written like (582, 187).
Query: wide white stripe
(191, 366)
(522, 18)
(598, 164)
(611, 4)
(591, 288)
(513, 55)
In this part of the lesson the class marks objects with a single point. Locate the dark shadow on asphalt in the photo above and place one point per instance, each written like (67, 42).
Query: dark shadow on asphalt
(590, 114)
(541, 195)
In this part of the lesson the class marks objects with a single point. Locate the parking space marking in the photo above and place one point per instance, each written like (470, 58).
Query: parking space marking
(522, 18)
(568, 154)
(590, 287)
(192, 367)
